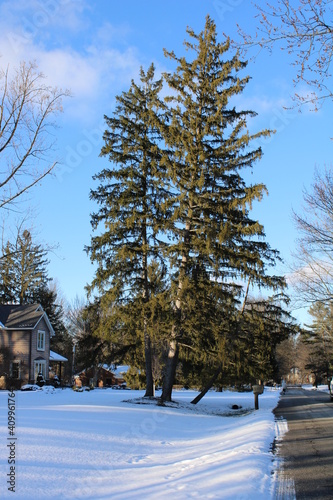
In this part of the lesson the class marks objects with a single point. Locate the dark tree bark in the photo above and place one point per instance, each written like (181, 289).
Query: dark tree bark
(208, 386)
(150, 386)
(170, 370)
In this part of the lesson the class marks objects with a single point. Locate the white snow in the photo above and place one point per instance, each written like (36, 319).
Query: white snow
(321, 388)
(97, 445)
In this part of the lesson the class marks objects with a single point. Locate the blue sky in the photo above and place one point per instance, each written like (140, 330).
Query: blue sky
(94, 48)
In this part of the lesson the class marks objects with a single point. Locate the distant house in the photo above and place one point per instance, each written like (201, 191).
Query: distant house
(101, 376)
(25, 333)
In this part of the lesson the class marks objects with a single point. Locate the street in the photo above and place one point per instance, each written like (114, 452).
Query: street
(306, 450)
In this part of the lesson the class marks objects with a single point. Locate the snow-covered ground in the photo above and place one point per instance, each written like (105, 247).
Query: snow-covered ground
(97, 445)
(321, 388)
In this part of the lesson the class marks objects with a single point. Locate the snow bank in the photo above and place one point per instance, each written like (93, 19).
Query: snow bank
(97, 445)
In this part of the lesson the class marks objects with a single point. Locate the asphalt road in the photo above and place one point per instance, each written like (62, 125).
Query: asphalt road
(306, 450)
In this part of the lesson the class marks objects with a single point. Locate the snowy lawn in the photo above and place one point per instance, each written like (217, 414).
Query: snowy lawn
(96, 445)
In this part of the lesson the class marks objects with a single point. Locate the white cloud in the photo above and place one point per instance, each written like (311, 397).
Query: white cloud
(108, 33)
(32, 17)
(69, 70)
(92, 73)
(261, 103)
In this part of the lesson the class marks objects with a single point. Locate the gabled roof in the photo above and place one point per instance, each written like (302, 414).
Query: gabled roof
(26, 317)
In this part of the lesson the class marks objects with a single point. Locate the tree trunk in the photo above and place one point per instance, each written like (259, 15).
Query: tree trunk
(207, 386)
(170, 370)
(150, 386)
(95, 376)
(173, 353)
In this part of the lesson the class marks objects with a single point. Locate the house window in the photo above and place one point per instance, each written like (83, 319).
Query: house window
(15, 369)
(40, 367)
(40, 340)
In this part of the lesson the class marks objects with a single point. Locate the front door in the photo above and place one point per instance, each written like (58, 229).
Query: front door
(40, 367)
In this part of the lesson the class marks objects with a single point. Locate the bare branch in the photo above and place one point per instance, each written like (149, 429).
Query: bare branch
(27, 111)
(26, 187)
(313, 269)
(304, 29)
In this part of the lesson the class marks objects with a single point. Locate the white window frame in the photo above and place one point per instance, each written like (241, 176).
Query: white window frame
(40, 340)
(40, 367)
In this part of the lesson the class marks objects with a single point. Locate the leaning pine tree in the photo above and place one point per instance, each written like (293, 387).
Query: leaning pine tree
(211, 146)
(131, 195)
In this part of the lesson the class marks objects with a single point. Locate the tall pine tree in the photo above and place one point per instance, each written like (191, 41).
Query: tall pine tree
(131, 195)
(210, 147)
(23, 271)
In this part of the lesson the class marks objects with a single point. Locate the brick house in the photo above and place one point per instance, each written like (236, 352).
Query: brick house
(100, 376)
(25, 333)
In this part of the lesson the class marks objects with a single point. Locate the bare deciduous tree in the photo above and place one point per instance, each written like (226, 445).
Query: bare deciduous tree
(304, 29)
(27, 111)
(313, 272)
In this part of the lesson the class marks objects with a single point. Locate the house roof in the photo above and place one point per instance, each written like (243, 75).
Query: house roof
(54, 356)
(120, 369)
(22, 317)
